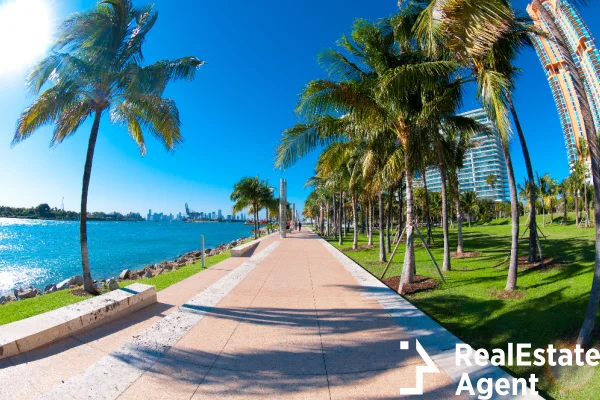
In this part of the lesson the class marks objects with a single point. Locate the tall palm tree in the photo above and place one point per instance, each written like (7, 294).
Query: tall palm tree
(249, 193)
(468, 202)
(95, 67)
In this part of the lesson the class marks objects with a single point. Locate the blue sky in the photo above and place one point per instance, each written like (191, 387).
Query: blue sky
(259, 56)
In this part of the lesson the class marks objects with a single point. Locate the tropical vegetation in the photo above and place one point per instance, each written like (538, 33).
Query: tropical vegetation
(388, 113)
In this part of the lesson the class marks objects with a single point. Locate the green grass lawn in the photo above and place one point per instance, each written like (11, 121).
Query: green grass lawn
(17, 310)
(548, 309)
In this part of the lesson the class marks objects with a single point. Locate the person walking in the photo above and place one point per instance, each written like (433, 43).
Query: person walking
(299, 226)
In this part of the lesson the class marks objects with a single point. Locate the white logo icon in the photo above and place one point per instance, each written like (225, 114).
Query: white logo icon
(430, 368)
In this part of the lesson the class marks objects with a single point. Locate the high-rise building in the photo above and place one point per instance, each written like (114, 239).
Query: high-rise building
(149, 215)
(484, 159)
(562, 24)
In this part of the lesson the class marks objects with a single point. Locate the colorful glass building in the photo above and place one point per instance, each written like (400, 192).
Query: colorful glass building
(560, 18)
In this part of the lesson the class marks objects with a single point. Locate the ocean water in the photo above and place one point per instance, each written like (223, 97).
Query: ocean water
(35, 252)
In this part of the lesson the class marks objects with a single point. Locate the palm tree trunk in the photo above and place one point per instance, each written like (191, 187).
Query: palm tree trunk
(355, 221)
(577, 209)
(389, 220)
(321, 219)
(532, 187)
(341, 216)
(511, 281)
(446, 266)
(255, 215)
(543, 214)
(459, 220)
(382, 257)
(267, 211)
(370, 222)
(408, 274)
(362, 218)
(587, 209)
(565, 210)
(400, 206)
(88, 282)
(427, 213)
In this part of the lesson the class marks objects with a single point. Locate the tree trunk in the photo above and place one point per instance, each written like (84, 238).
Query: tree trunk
(382, 256)
(532, 187)
(88, 282)
(362, 218)
(341, 216)
(446, 266)
(355, 221)
(587, 209)
(409, 257)
(389, 220)
(370, 222)
(543, 214)
(565, 210)
(400, 206)
(322, 219)
(427, 212)
(511, 281)
(268, 228)
(577, 210)
(459, 219)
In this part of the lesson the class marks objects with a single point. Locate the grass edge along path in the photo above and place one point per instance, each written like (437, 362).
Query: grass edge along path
(547, 308)
(18, 310)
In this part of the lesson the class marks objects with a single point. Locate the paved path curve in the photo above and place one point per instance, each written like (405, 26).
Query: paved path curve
(296, 320)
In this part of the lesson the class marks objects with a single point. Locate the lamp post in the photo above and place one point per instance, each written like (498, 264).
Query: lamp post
(282, 208)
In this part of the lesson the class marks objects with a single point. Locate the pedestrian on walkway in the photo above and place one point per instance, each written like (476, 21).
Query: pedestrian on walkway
(299, 226)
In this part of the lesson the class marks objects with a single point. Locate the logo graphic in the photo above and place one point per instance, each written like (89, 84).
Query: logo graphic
(430, 368)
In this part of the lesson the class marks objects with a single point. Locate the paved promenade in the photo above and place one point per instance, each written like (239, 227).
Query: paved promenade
(296, 320)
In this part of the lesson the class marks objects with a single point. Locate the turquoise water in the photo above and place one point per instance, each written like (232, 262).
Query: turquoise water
(34, 252)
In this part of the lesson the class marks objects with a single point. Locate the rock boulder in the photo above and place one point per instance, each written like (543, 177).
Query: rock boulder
(112, 284)
(125, 274)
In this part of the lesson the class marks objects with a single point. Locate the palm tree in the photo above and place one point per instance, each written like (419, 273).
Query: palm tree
(249, 193)
(468, 201)
(491, 181)
(94, 67)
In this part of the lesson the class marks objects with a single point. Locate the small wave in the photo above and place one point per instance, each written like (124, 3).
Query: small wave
(13, 276)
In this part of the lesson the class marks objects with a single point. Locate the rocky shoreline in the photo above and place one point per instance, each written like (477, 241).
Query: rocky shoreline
(27, 292)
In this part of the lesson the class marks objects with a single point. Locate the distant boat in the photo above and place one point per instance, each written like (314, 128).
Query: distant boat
(249, 222)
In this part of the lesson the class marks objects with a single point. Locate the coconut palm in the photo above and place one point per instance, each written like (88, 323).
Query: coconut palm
(249, 193)
(468, 201)
(95, 68)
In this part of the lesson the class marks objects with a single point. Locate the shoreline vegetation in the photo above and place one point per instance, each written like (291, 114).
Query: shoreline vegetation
(45, 212)
(70, 291)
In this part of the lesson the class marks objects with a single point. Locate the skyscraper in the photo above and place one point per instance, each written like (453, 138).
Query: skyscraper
(481, 161)
(562, 24)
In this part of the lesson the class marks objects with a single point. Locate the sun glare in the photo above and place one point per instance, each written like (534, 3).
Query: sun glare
(25, 33)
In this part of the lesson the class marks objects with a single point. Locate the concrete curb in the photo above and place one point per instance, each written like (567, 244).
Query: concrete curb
(439, 343)
(37, 331)
(110, 376)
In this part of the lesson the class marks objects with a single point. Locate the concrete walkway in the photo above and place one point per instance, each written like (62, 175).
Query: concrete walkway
(296, 320)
